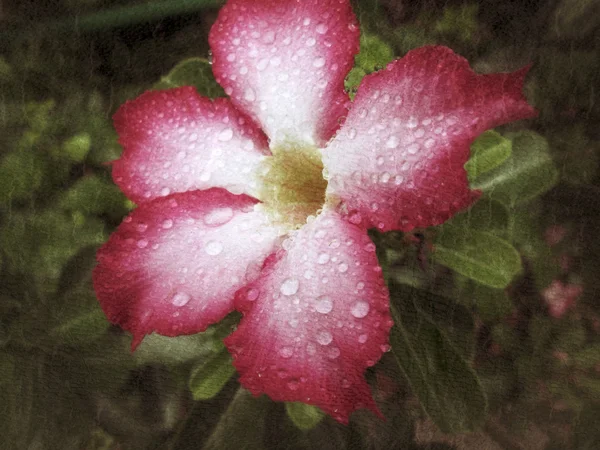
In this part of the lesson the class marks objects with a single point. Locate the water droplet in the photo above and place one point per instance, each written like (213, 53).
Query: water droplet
(311, 349)
(384, 177)
(324, 304)
(321, 28)
(324, 337)
(319, 62)
(352, 133)
(412, 122)
(213, 248)
(180, 299)
(342, 268)
(355, 218)
(225, 135)
(167, 223)
(141, 227)
(308, 274)
(360, 309)
(311, 41)
(293, 385)
(249, 95)
(127, 219)
(252, 294)
(333, 353)
(219, 216)
(380, 161)
(362, 338)
(142, 243)
(392, 142)
(413, 148)
(165, 191)
(385, 348)
(286, 352)
(289, 286)
(374, 206)
(323, 258)
(429, 143)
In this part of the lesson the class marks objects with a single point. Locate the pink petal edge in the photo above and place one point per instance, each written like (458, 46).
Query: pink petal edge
(397, 162)
(284, 63)
(174, 265)
(315, 320)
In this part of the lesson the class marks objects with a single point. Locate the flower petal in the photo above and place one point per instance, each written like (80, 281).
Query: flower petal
(315, 320)
(177, 141)
(284, 62)
(397, 163)
(174, 265)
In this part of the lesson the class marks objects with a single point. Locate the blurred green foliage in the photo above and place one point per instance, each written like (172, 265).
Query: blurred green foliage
(475, 346)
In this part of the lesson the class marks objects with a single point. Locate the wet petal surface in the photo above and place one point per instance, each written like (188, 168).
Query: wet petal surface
(315, 320)
(174, 265)
(177, 141)
(284, 62)
(397, 163)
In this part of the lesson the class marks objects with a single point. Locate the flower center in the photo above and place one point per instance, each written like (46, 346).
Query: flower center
(293, 186)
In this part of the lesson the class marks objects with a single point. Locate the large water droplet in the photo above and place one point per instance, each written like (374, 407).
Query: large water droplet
(360, 309)
(324, 337)
(180, 299)
(324, 304)
(213, 248)
(219, 216)
(289, 286)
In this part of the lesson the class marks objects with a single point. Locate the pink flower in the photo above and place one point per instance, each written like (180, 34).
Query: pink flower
(261, 202)
(560, 297)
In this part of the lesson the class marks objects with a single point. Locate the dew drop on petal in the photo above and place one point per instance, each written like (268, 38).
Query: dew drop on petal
(392, 142)
(219, 216)
(319, 62)
(362, 338)
(323, 258)
(289, 286)
(293, 385)
(141, 227)
(142, 243)
(333, 353)
(324, 305)
(225, 135)
(324, 337)
(252, 294)
(286, 352)
(342, 268)
(180, 299)
(213, 248)
(167, 223)
(360, 309)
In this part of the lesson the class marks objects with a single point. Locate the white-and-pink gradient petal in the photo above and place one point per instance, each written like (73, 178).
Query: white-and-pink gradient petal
(397, 162)
(315, 320)
(177, 141)
(283, 62)
(174, 265)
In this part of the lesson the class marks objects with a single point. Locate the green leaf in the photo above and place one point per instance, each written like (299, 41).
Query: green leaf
(94, 195)
(304, 416)
(478, 255)
(195, 72)
(484, 215)
(77, 147)
(21, 173)
(81, 329)
(243, 424)
(447, 387)
(487, 152)
(588, 357)
(208, 378)
(527, 174)
(491, 304)
(374, 53)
